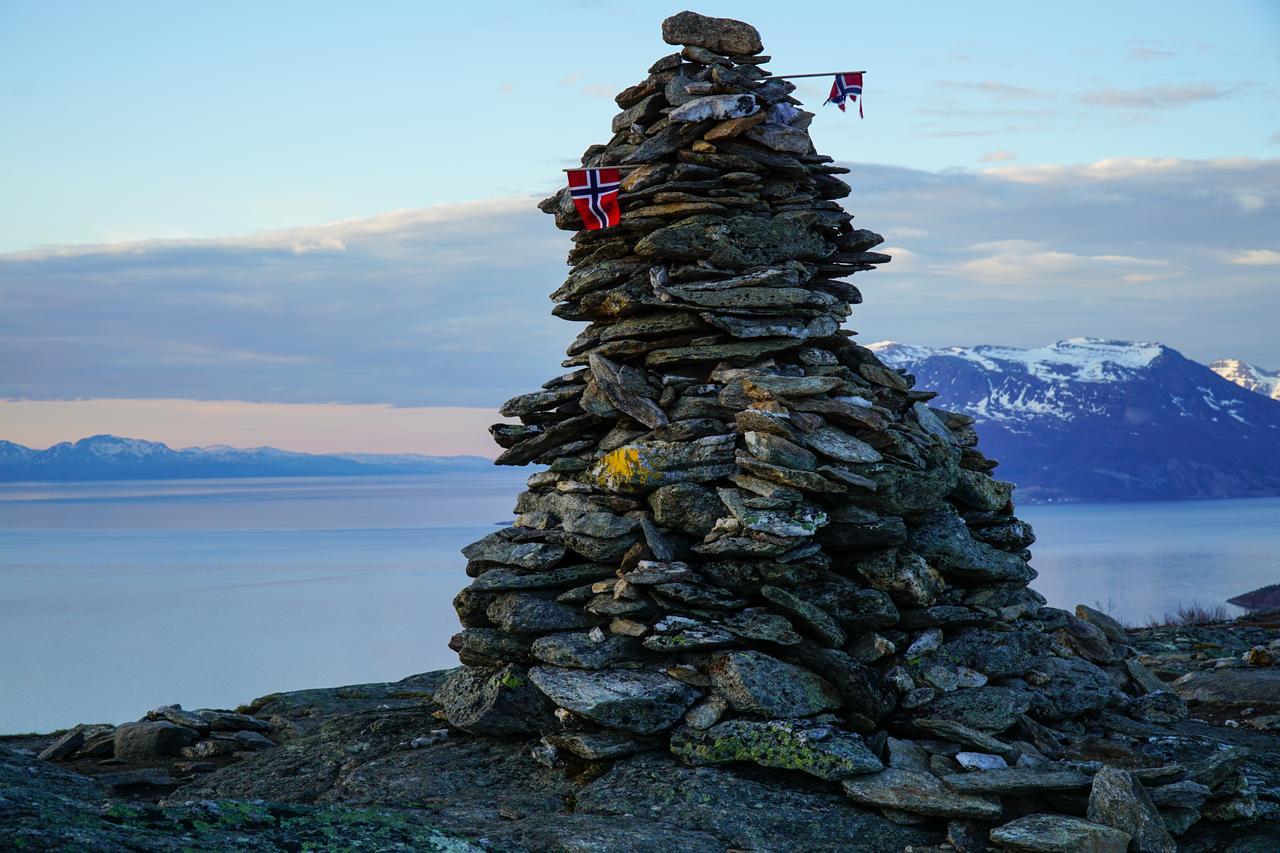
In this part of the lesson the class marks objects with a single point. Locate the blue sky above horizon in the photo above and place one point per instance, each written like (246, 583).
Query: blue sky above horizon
(168, 169)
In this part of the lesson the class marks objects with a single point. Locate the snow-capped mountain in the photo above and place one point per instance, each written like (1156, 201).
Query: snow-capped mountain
(11, 453)
(1093, 419)
(108, 457)
(1250, 376)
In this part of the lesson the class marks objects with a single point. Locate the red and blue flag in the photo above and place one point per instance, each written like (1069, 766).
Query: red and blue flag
(595, 194)
(846, 85)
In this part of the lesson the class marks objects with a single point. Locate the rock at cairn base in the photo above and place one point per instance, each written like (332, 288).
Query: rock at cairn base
(753, 541)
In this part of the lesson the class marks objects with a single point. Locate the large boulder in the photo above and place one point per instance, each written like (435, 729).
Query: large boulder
(720, 35)
(494, 701)
(151, 739)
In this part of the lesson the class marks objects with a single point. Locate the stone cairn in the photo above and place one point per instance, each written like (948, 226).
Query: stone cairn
(753, 541)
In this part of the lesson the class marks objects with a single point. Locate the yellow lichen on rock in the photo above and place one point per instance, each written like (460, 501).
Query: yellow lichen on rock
(624, 468)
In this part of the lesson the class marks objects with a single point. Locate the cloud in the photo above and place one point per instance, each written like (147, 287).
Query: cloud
(1254, 258)
(1120, 169)
(447, 306)
(1155, 97)
(962, 134)
(332, 237)
(1002, 91)
(1122, 248)
(1251, 202)
(1146, 54)
(575, 79)
(1033, 264)
(904, 260)
(997, 156)
(1274, 139)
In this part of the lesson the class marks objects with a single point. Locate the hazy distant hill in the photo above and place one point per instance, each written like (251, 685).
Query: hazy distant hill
(108, 457)
(1090, 419)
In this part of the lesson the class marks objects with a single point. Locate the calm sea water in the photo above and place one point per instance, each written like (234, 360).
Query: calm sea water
(117, 597)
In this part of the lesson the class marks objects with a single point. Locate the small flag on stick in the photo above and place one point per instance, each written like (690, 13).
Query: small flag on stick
(595, 194)
(846, 85)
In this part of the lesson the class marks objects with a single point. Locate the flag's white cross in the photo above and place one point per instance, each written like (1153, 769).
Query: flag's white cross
(845, 89)
(594, 190)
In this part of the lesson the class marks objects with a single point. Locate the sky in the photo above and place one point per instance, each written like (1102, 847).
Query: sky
(272, 206)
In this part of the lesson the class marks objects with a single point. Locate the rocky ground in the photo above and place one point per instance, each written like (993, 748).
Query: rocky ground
(372, 767)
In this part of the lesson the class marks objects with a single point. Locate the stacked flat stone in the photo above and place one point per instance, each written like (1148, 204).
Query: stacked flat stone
(753, 541)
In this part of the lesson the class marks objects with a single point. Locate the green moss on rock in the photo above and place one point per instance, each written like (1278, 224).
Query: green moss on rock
(814, 749)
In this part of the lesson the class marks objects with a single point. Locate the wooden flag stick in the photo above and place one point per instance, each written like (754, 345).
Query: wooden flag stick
(580, 168)
(798, 76)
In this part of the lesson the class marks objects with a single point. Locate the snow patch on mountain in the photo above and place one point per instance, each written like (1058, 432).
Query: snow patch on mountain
(1064, 381)
(1095, 419)
(1072, 360)
(1248, 376)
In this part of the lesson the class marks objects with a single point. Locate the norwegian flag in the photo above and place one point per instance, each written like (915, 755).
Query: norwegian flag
(595, 194)
(848, 85)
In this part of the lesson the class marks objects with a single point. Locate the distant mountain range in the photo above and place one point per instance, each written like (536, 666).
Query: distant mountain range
(108, 457)
(1090, 419)
(1085, 419)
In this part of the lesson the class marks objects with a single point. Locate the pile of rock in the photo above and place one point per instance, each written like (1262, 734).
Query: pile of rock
(753, 541)
(166, 747)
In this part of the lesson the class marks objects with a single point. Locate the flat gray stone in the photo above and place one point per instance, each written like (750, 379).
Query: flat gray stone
(523, 613)
(1253, 686)
(839, 445)
(917, 793)
(578, 650)
(987, 709)
(1120, 801)
(763, 686)
(688, 507)
(639, 701)
(805, 614)
(494, 550)
(1055, 833)
(1017, 780)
